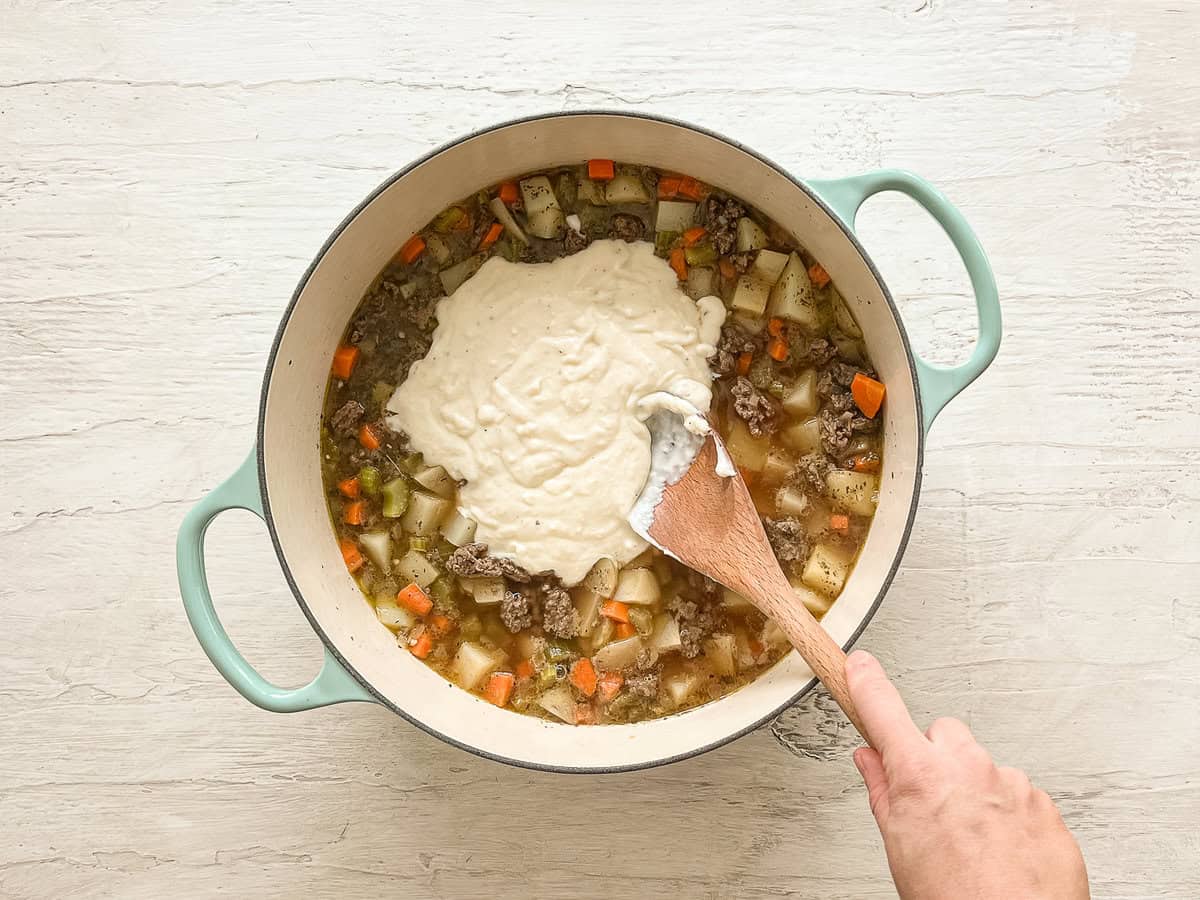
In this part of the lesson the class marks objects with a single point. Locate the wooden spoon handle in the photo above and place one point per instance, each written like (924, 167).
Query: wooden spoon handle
(823, 655)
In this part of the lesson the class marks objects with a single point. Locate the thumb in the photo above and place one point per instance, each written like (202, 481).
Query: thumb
(870, 767)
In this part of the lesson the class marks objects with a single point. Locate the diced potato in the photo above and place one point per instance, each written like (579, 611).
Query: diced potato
(665, 637)
(773, 635)
(801, 399)
(542, 212)
(793, 296)
(487, 590)
(701, 282)
(602, 577)
(393, 615)
(378, 545)
(415, 567)
(853, 491)
(731, 599)
(437, 480)
(674, 215)
(753, 324)
(662, 569)
(842, 315)
(505, 218)
(438, 248)
(471, 664)
(745, 656)
(592, 192)
(791, 501)
(679, 686)
(619, 654)
(769, 265)
(637, 586)
(587, 607)
(453, 277)
(804, 437)
(826, 569)
(626, 189)
(817, 604)
(458, 529)
(747, 451)
(425, 513)
(749, 236)
(778, 466)
(720, 650)
(750, 296)
(559, 702)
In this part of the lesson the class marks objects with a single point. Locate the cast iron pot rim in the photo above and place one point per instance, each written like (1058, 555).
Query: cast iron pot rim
(261, 432)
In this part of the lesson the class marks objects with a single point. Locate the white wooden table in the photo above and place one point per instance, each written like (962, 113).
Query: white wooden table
(167, 170)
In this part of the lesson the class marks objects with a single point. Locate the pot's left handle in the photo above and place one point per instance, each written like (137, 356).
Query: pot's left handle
(332, 684)
(938, 384)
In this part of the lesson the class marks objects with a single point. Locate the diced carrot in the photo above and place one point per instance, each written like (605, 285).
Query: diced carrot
(345, 358)
(679, 263)
(350, 555)
(508, 193)
(583, 676)
(756, 647)
(689, 187)
(867, 393)
(585, 714)
(615, 610)
(624, 630)
(728, 270)
(440, 625)
(412, 248)
(525, 668)
(817, 275)
(867, 463)
(350, 487)
(414, 599)
(693, 236)
(775, 327)
(368, 438)
(743, 363)
(355, 513)
(493, 235)
(421, 645)
(499, 688)
(839, 523)
(601, 169)
(610, 685)
(668, 187)
(777, 349)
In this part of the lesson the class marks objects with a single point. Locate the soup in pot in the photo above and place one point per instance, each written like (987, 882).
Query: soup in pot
(483, 437)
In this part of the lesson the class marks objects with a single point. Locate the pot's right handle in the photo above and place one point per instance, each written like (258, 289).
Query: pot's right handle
(333, 683)
(938, 384)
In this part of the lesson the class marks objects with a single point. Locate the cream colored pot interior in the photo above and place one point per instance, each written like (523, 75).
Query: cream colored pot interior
(293, 410)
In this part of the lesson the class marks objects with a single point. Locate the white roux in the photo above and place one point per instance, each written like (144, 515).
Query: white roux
(536, 389)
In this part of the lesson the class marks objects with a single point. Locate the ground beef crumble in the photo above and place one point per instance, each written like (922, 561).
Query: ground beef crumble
(787, 538)
(574, 241)
(559, 618)
(696, 622)
(759, 411)
(346, 419)
(810, 472)
(515, 611)
(720, 219)
(472, 561)
(645, 685)
(734, 341)
(625, 227)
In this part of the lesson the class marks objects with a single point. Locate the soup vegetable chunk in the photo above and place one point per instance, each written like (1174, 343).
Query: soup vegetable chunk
(794, 397)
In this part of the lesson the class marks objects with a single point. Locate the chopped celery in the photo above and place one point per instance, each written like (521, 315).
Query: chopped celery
(700, 255)
(381, 393)
(418, 543)
(450, 219)
(641, 619)
(663, 240)
(395, 497)
(369, 480)
(559, 651)
(546, 677)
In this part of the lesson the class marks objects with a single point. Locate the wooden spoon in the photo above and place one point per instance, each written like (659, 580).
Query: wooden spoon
(708, 522)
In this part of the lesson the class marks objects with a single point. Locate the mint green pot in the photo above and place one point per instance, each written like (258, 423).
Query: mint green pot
(280, 479)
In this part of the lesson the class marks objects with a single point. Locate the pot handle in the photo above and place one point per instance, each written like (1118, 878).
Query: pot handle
(938, 384)
(333, 683)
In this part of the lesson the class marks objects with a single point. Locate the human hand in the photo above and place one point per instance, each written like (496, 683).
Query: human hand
(954, 825)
